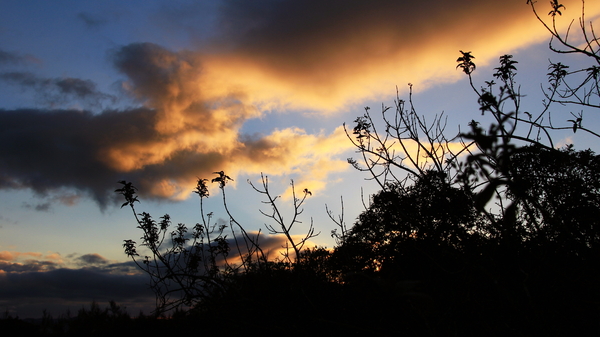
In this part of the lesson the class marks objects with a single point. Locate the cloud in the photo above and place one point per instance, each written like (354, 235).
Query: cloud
(10, 58)
(563, 142)
(35, 261)
(324, 55)
(192, 104)
(42, 207)
(178, 135)
(83, 284)
(68, 199)
(27, 294)
(57, 92)
(11, 256)
(48, 150)
(19, 262)
(31, 282)
(92, 20)
(29, 266)
(91, 259)
(274, 246)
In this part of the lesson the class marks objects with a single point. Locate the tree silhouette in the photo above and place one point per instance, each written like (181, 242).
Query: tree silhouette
(490, 231)
(485, 235)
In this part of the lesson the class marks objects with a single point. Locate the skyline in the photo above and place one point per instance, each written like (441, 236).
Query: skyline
(163, 93)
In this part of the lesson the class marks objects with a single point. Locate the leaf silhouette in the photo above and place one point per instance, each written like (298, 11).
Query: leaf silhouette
(221, 179)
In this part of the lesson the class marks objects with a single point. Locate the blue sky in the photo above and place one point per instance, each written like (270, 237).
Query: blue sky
(163, 92)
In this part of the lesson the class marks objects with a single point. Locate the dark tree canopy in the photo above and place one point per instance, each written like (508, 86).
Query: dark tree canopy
(428, 213)
(558, 192)
(474, 273)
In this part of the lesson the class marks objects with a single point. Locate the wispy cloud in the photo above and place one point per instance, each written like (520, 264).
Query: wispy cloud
(59, 92)
(68, 199)
(92, 20)
(11, 58)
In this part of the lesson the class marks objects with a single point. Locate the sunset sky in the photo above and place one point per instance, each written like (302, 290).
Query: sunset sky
(161, 93)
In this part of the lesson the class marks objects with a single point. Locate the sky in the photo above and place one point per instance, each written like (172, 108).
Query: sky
(161, 93)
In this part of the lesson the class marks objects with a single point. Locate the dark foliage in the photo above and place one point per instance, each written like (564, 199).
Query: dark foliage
(476, 275)
(427, 215)
(558, 193)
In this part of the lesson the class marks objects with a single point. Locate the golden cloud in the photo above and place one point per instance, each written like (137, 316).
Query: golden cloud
(274, 246)
(306, 59)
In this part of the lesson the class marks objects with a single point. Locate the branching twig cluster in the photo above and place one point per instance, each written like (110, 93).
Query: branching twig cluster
(578, 87)
(187, 267)
(281, 225)
(410, 144)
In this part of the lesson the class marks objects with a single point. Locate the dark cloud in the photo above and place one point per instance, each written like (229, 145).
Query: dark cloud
(92, 20)
(47, 150)
(33, 284)
(273, 246)
(27, 294)
(29, 284)
(41, 207)
(29, 287)
(56, 92)
(92, 259)
(45, 207)
(156, 73)
(71, 283)
(9, 58)
(28, 266)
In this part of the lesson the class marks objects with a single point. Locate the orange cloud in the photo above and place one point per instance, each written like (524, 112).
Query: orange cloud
(13, 256)
(324, 57)
(291, 150)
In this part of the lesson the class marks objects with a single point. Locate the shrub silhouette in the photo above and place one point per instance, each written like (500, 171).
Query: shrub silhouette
(191, 268)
